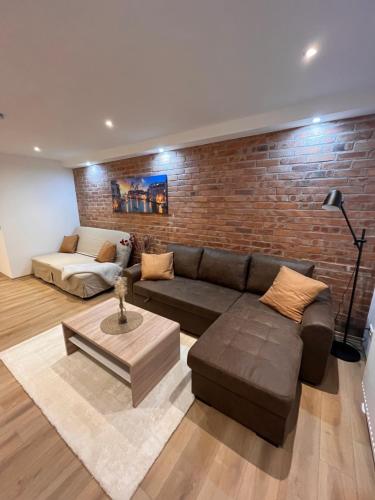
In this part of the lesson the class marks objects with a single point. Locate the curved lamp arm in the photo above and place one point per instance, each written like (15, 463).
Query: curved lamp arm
(357, 241)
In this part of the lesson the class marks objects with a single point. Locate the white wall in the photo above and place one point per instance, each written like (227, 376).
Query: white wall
(38, 207)
(4, 261)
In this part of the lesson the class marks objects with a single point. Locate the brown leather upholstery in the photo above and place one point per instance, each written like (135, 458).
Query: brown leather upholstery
(186, 260)
(252, 361)
(198, 297)
(264, 269)
(269, 425)
(249, 357)
(249, 308)
(189, 322)
(317, 333)
(224, 268)
(257, 360)
(132, 275)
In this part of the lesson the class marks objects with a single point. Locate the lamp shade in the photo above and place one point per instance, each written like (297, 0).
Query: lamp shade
(333, 200)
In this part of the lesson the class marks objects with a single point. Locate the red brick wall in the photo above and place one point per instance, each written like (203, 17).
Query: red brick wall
(261, 193)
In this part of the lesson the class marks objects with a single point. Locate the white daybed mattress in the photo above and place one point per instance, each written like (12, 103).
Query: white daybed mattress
(49, 267)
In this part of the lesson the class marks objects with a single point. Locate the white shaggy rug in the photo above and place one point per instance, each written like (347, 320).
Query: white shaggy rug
(92, 409)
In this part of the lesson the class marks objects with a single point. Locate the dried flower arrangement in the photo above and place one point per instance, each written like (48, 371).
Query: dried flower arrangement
(120, 292)
(139, 245)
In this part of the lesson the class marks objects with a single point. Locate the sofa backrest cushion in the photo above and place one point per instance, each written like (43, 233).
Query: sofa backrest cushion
(186, 260)
(91, 240)
(224, 268)
(265, 268)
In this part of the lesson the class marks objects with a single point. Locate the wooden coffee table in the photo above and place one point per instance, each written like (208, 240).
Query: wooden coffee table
(141, 357)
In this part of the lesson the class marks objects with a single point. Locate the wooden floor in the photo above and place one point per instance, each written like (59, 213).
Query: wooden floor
(210, 456)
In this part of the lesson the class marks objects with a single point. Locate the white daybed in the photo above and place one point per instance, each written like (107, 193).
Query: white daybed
(50, 267)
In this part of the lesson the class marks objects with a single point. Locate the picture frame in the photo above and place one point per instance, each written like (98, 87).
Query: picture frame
(140, 194)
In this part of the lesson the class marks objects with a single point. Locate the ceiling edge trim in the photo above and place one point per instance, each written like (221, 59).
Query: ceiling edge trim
(329, 108)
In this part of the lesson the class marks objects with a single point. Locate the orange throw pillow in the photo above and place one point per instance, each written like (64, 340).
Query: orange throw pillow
(107, 253)
(291, 292)
(69, 244)
(157, 267)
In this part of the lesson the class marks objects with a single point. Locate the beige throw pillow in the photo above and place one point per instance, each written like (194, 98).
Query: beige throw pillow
(107, 253)
(291, 292)
(69, 244)
(157, 267)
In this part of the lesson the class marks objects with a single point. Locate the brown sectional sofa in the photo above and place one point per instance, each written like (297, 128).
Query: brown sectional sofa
(248, 358)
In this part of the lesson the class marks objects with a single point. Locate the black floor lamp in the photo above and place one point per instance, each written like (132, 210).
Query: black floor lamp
(343, 350)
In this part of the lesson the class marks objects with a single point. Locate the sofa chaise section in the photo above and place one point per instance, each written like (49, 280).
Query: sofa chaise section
(316, 330)
(249, 370)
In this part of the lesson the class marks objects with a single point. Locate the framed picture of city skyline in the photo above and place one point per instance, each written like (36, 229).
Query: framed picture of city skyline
(142, 195)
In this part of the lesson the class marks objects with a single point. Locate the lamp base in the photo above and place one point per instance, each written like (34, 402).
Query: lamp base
(345, 352)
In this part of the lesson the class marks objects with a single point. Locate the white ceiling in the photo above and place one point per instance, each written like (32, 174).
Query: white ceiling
(163, 67)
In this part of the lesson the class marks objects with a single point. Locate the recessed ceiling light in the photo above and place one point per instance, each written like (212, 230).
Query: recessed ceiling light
(161, 150)
(316, 119)
(37, 149)
(109, 123)
(310, 53)
(88, 164)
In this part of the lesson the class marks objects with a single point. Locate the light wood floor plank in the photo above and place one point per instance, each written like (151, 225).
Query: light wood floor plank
(301, 481)
(327, 456)
(333, 485)
(364, 471)
(336, 438)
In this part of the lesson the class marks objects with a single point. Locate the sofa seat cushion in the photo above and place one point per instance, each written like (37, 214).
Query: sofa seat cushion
(58, 260)
(251, 355)
(249, 307)
(205, 299)
(49, 268)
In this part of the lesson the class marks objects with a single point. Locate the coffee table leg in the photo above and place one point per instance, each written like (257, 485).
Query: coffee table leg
(70, 348)
(148, 372)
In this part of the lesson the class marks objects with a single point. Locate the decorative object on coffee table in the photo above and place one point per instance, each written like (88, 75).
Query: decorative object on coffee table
(112, 326)
(141, 357)
(120, 292)
(343, 350)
